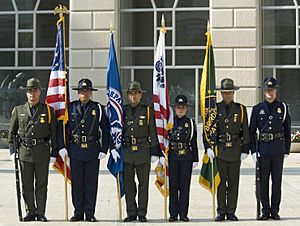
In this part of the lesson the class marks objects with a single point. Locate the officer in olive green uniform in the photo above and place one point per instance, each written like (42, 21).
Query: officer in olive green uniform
(233, 142)
(140, 143)
(35, 123)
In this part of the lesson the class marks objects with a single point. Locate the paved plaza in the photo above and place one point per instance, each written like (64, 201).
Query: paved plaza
(200, 212)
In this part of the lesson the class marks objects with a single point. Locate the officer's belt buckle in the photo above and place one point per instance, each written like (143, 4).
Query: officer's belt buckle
(83, 139)
(180, 145)
(84, 145)
(228, 144)
(33, 142)
(270, 136)
(181, 152)
(228, 137)
(133, 140)
(134, 148)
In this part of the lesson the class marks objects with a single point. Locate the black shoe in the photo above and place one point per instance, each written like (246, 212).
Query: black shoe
(185, 219)
(220, 217)
(264, 217)
(29, 217)
(232, 217)
(143, 219)
(91, 219)
(41, 217)
(129, 219)
(76, 218)
(172, 219)
(275, 216)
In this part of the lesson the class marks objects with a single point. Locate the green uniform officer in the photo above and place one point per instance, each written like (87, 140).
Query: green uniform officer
(233, 143)
(140, 143)
(35, 123)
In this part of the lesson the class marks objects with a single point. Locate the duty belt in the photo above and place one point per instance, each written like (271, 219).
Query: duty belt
(227, 139)
(266, 137)
(83, 140)
(179, 145)
(133, 142)
(29, 142)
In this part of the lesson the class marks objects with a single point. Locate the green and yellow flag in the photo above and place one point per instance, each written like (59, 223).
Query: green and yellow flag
(209, 176)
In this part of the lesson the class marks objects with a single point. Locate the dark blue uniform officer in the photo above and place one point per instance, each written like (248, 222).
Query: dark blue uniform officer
(88, 142)
(271, 125)
(183, 156)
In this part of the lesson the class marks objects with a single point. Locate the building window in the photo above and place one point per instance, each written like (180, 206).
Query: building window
(186, 23)
(280, 50)
(27, 43)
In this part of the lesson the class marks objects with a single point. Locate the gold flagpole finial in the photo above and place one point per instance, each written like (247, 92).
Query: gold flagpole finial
(61, 10)
(163, 24)
(208, 26)
(111, 28)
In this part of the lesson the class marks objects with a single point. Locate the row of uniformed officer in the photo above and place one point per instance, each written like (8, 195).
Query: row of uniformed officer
(233, 144)
(271, 124)
(88, 142)
(182, 158)
(140, 148)
(35, 124)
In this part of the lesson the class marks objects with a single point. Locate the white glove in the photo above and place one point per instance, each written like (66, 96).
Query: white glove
(195, 164)
(52, 159)
(254, 157)
(162, 160)
(210, 154)
(243, 156)
(101, 155)
(12, 157)
(114, 154)
(63, 152)
(285, 156)
(154, 158)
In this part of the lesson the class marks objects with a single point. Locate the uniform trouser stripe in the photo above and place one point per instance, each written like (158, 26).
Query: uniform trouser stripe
(142, 171)
(34, 185)
(271, 165)
(180, 173)
(84, 186)
(227, 193)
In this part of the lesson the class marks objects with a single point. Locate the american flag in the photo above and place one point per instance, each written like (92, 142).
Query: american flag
(57, 93)
(163, 112)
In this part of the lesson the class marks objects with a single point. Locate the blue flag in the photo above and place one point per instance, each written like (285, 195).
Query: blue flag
(115, 113)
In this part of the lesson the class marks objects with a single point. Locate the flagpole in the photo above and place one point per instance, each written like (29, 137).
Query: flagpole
(212, 163)
(213, 191)
(66, 188)
(61, 10)
(163, 29)
(119, 198)
(118, 178)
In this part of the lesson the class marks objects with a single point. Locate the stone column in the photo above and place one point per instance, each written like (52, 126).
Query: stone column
(235, 36)
(89, 42)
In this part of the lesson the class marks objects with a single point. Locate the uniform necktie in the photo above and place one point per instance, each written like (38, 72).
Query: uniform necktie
(32, 110)
(227, 109)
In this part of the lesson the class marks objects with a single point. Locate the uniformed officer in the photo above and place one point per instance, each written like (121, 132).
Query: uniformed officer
(183, 156)
(233, 143)
(35, 123)
(88, 142)
(140, 143)
(271, 124)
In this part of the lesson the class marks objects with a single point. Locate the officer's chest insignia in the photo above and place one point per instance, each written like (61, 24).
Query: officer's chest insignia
(22, 115)
(94, 112)
(279, 110)
(142, 117)
(262, 112)
(186, 125)
(42, 120)
(235, 117)
(141, 123)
